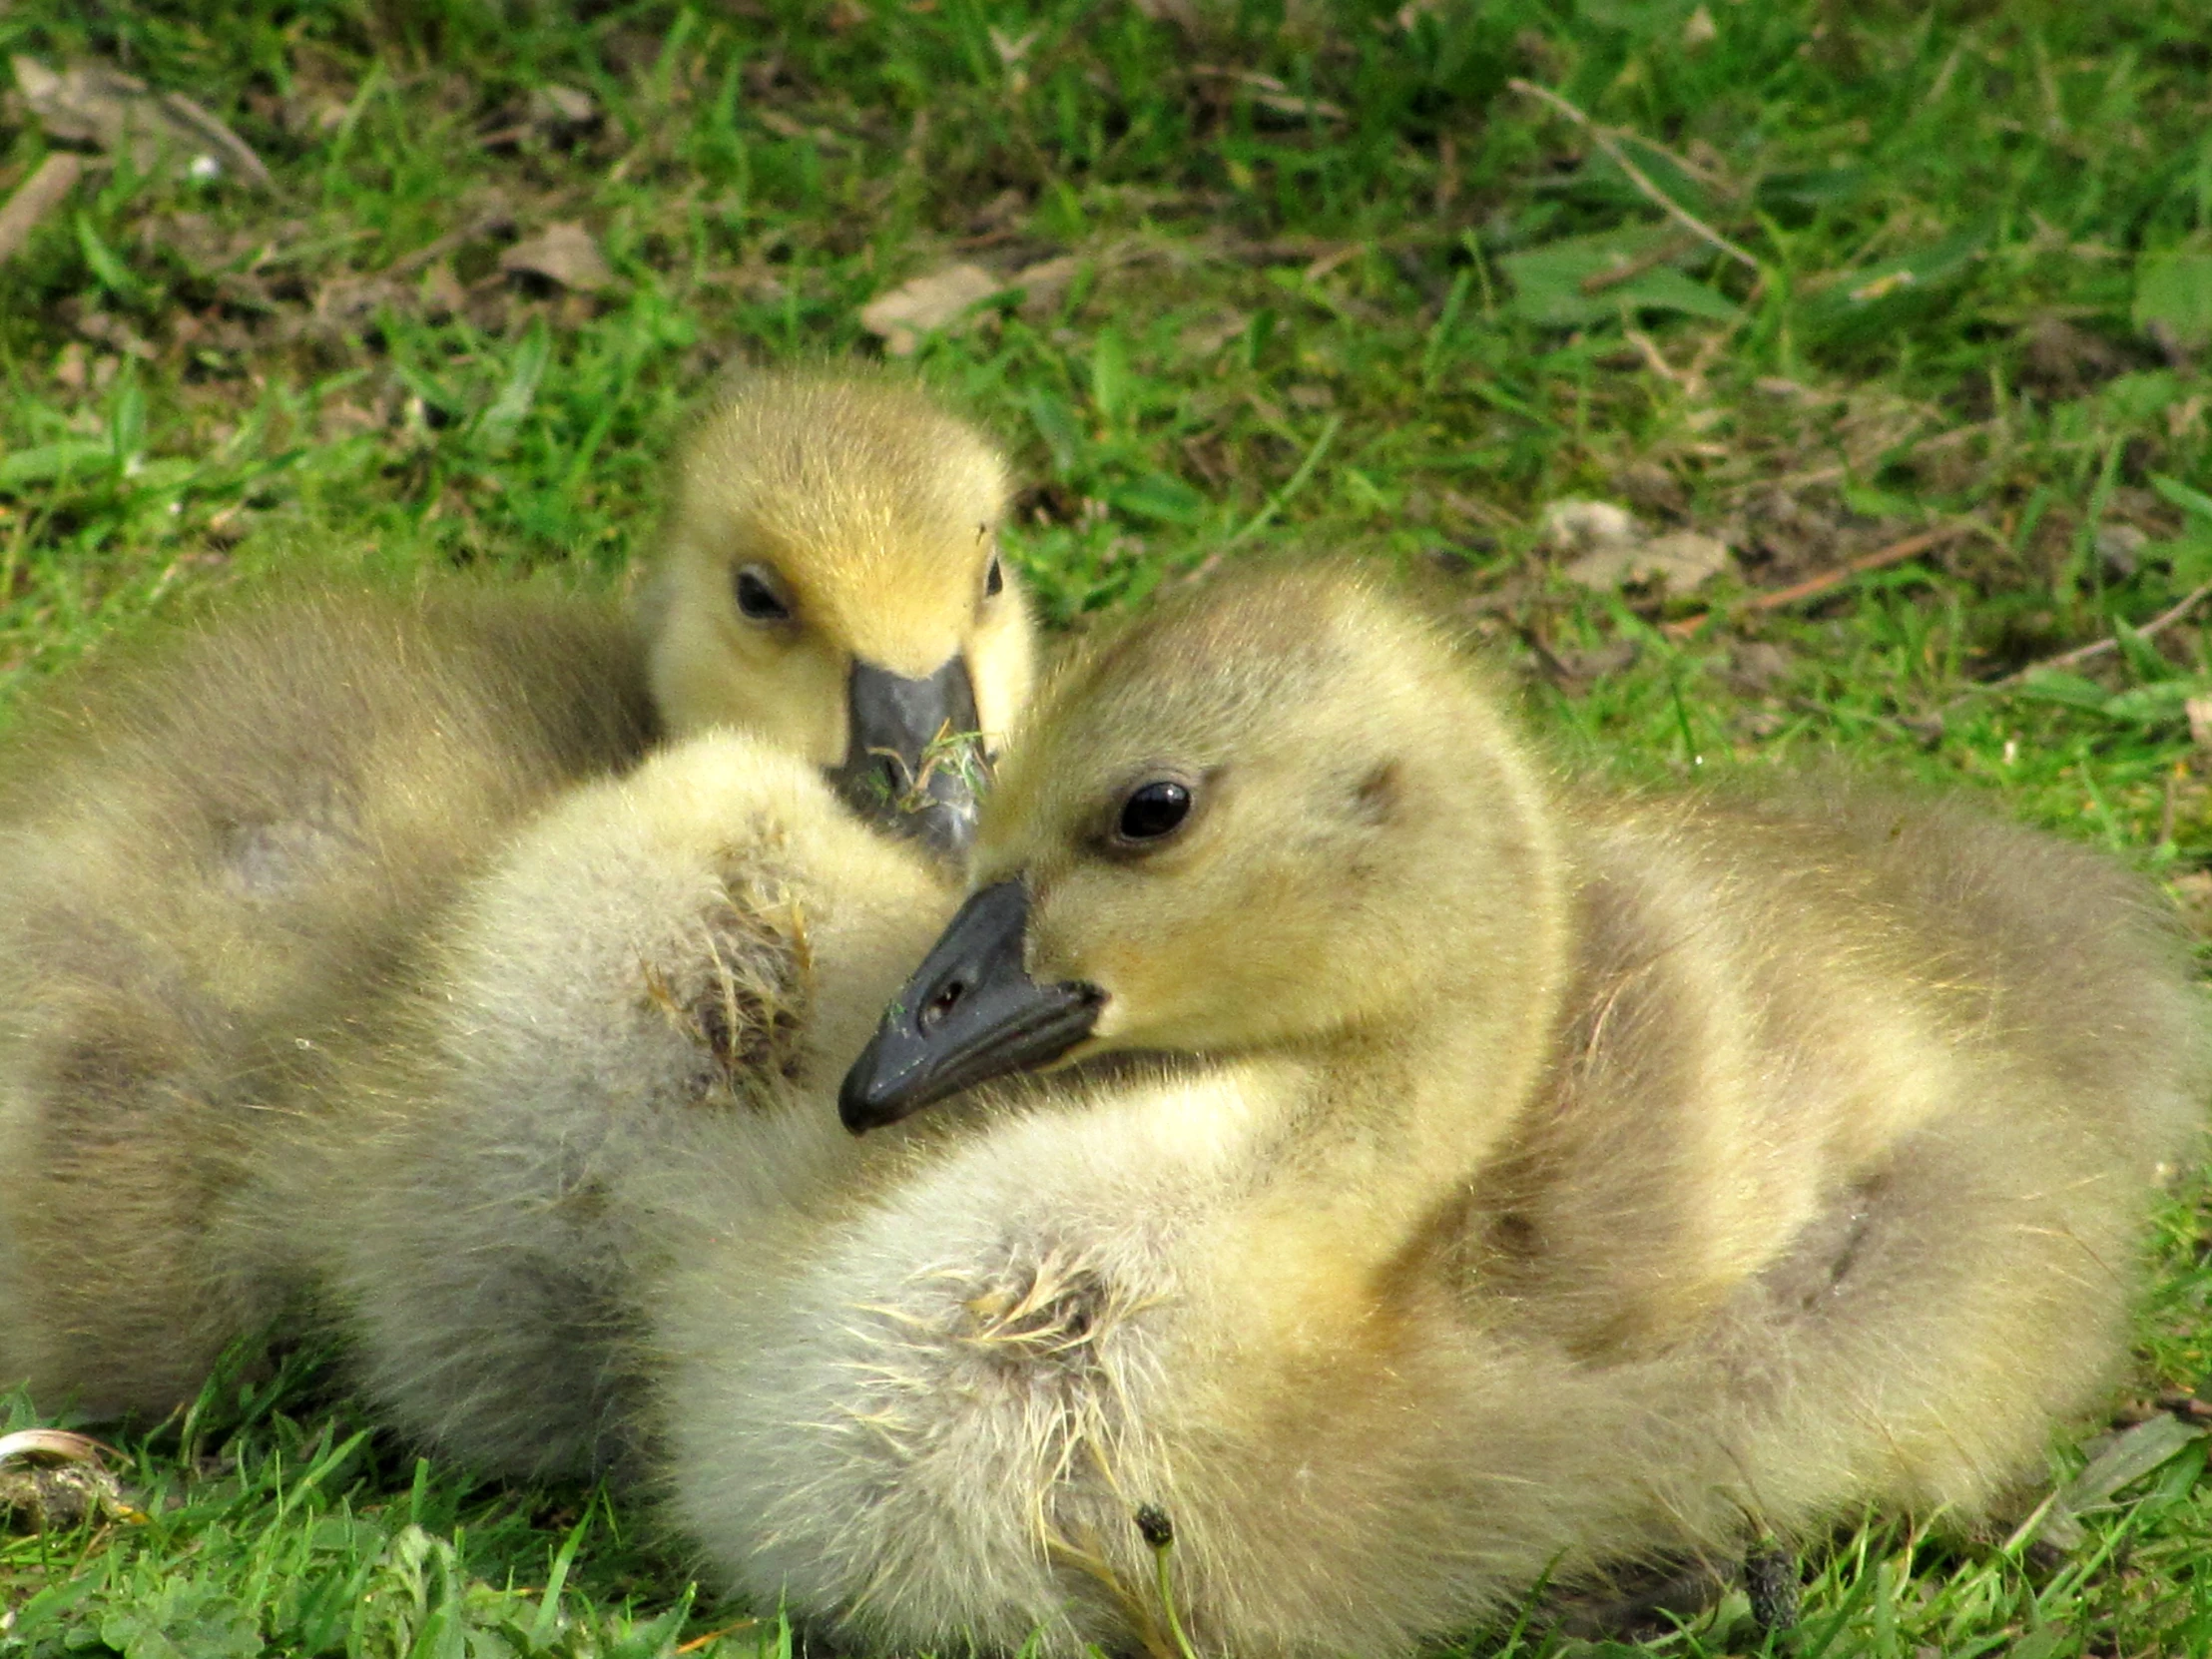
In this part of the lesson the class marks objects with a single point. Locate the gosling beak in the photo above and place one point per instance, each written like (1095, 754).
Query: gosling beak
(969, 1013)
(911, 763)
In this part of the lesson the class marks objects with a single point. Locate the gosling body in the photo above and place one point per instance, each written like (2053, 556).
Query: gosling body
(223, 840)
(1533, 1183)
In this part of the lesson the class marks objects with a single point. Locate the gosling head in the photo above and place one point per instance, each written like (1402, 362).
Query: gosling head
(1279, 813)
(829, 578)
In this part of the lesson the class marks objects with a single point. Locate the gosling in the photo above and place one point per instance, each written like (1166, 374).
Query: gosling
(1501, 1179)
(218, 848)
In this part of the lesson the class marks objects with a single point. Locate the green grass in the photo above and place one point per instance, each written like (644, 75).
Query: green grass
(1331, 285)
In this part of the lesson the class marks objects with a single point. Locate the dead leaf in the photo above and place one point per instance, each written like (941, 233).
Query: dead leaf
(194, 237)
(2199, 711)
(69, 369)
(1607, 548)
(91, 101)
(1474, 510)
(344, 301)
(901, 316)
(1652, 487)
(35, 198)
(1689, 554)
(1043, 284)
(322, 91)
(49, 1443)
(441, 293)
(556, 108)
(1682, 560)
(1013, 50)
(563, 254)
(2120, 547)
(1203, 338)
(2061, 361)
(998, 213)
(1299, 109)
(1572, 526)
(1269, 94)
(338, 420)
(1323, 264)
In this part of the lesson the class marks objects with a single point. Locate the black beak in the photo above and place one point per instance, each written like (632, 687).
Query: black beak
(911, 760)
(969, 1014)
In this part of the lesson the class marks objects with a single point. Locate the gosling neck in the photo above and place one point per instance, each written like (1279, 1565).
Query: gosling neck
(1412, 1101)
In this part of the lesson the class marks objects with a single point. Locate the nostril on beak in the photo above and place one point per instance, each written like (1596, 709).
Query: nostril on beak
(939, 1006)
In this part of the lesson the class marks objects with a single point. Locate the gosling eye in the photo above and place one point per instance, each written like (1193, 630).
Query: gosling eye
(1151, 812)
(759, 595)
(994, 579)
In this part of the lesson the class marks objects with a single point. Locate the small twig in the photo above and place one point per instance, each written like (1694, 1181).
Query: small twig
(1693, 379)
(2184, 1405)
(1814, 586)
(698, 1642)
(1629, 269)
(2110, 643)
(483, 225)
(2082, 652)
(1329, 262)
(35, 198)
(1654, 358)
(1605, 141)
(1895, 553)
(1720, 181)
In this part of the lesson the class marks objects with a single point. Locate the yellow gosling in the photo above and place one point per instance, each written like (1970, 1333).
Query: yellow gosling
(1499, 1177)
(215, 848)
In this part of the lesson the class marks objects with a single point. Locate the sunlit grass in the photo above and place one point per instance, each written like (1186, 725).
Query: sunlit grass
(1329, 282)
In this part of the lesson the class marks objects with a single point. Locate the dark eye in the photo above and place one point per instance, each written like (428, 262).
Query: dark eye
(758, 598)
(1153, 811)
(994, 580)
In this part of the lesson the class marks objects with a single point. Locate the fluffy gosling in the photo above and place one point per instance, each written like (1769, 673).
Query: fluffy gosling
(215, 849)
(1529, 1180)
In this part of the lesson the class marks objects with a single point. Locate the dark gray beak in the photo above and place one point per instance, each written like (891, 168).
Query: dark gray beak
(969, 1013)
(912, 761)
